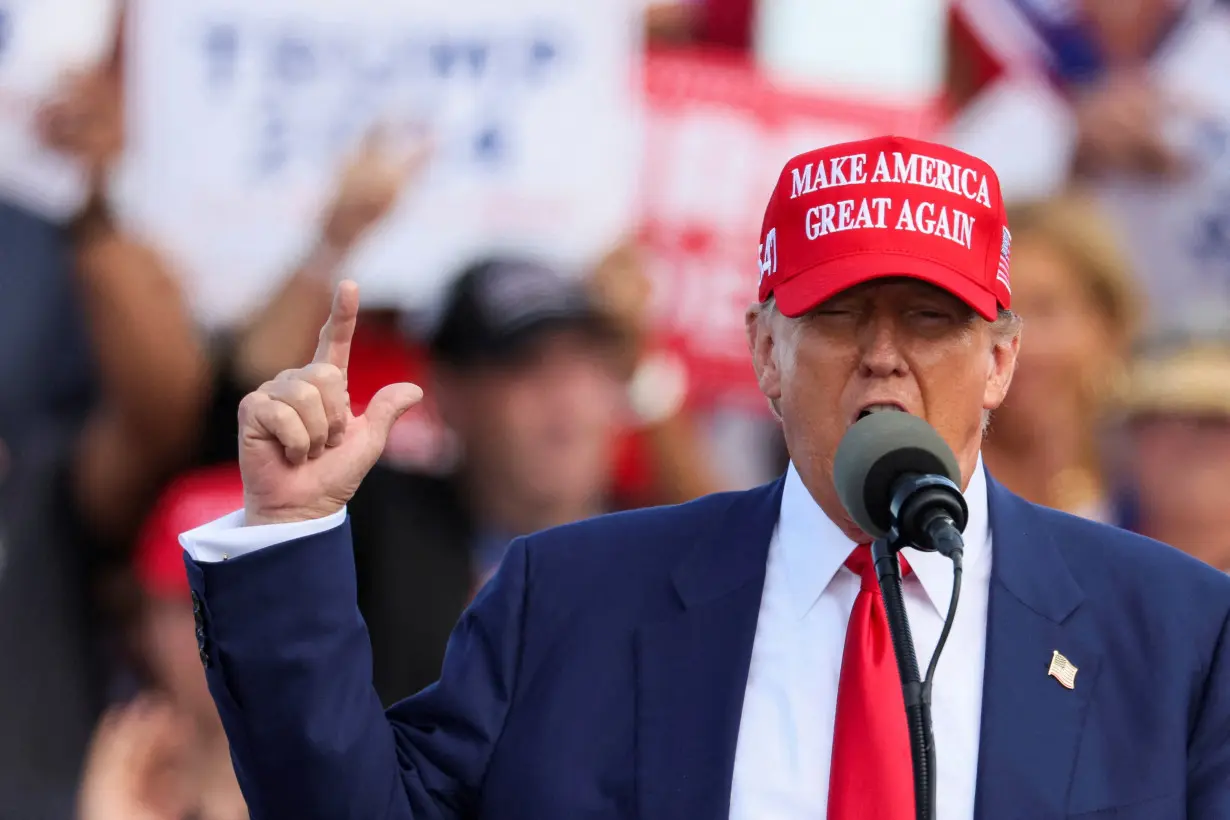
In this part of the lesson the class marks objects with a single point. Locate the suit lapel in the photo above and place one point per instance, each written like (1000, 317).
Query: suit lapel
(692, 669)
(1031, 724)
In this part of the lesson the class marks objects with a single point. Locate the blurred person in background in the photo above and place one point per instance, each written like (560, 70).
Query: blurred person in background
(164, 756)
(670, 468)
(538, 377)
(661, 463)
(1137, 108)
(1073, 288)
(1177, 441)
(529, 372)
(96, 320)
(545, 395)
(92, 323)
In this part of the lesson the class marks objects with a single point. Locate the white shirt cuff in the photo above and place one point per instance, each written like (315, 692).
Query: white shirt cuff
(227, 537)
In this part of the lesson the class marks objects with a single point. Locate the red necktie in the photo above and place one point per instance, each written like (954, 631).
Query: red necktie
(872, 775)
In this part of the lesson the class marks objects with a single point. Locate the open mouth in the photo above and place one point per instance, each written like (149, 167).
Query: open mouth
(879, 407)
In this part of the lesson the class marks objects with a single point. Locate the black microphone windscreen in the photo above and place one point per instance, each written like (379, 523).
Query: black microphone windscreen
(874, 453)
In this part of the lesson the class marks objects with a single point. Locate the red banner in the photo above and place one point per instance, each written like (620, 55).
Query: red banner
(718, 134)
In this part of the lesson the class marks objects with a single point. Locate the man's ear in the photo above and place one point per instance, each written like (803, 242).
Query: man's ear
(761, 343)
(1003, 366)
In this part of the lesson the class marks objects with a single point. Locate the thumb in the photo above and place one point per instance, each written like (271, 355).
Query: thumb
(387, 406)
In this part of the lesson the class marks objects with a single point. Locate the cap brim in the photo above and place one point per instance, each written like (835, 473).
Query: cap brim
(819, 283)
(589, 322)
(1192, 384)
(512, 342)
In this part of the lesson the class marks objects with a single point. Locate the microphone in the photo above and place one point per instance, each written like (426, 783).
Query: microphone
(898, 480)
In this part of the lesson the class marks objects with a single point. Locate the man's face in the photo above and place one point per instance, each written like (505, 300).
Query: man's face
(894, 342)
(543, 422)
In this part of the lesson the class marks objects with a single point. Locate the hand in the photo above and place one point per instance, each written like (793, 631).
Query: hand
(669, 23)
(134, 770)
(302, 452)
(622, 290)
(85, 119)
(369, 186)
(1120, 125)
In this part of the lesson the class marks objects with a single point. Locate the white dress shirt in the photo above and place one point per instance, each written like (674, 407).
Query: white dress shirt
(786, 732)
(227, 537)
(790, 706)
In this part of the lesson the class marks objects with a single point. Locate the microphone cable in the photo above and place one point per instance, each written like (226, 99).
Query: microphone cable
(956, 555)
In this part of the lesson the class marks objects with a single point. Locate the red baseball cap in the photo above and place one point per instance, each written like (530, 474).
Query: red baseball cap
(193, 499)
(885, 207)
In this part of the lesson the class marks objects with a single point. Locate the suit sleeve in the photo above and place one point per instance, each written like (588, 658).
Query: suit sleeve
(1209, 751)
(289, 664)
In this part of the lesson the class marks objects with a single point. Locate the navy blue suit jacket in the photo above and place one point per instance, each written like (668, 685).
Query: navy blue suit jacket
(601, 675)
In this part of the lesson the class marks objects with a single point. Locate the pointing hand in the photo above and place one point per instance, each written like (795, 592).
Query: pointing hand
(301, 450)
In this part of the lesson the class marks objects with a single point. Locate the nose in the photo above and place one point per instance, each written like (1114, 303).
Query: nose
(880, 353)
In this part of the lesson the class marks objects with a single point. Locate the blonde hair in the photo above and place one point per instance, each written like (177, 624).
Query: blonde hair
(1073, 225)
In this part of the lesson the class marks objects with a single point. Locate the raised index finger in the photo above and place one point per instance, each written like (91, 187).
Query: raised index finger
(335, 336)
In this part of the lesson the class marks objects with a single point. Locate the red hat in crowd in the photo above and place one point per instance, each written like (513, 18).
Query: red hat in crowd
(193, 499)
(882, 207)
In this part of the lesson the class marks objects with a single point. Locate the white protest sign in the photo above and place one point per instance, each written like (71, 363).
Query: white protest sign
(241, 113)
(41, 40)
(885, 50)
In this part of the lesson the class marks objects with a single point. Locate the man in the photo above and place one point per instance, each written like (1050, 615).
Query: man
(523, 377)
(527, 368)
(716, 660)
(1178, 440)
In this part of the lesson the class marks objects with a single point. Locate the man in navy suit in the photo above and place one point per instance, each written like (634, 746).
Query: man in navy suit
(699, 662)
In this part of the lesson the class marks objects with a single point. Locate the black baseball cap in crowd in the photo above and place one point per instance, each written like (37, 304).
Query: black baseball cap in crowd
(497, 308)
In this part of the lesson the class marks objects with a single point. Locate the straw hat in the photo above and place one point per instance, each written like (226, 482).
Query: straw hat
(1183, 371)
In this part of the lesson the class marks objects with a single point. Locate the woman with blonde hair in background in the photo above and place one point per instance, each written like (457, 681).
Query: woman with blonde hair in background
(1072, 286)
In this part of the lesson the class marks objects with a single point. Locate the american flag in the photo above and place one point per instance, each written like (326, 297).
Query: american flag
(1005, 253)
(1062, 670)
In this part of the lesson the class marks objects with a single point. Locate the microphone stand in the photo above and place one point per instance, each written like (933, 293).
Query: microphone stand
(916, 690)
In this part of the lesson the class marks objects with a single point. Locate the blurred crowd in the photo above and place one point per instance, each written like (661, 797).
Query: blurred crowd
(549, 399)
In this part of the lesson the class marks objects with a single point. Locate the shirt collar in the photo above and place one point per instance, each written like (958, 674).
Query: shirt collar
(814, 548)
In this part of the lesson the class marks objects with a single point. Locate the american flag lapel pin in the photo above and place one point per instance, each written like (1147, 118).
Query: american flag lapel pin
(1062, 670)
